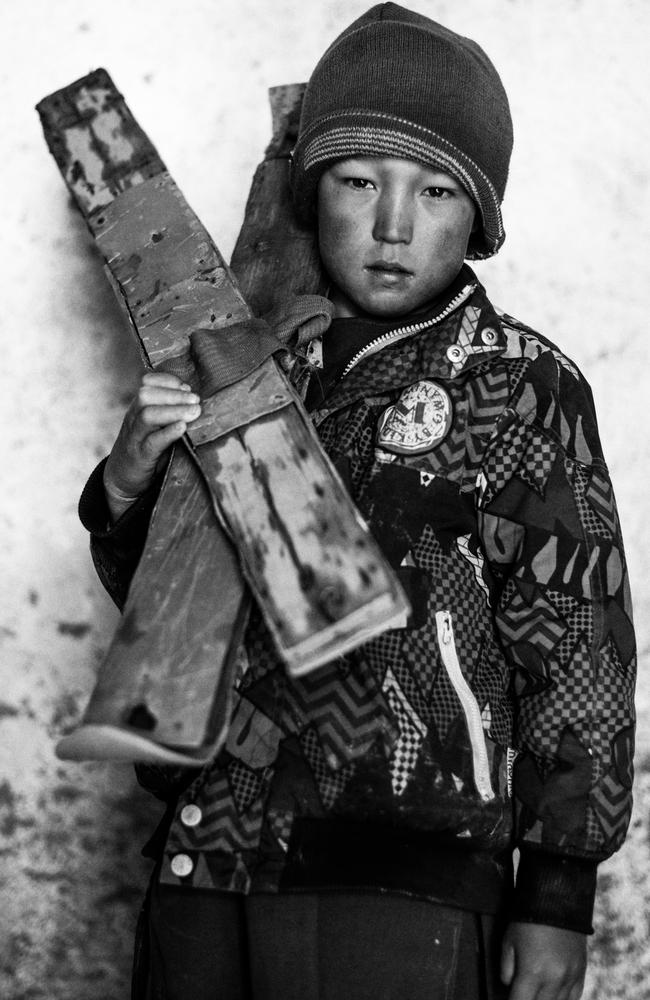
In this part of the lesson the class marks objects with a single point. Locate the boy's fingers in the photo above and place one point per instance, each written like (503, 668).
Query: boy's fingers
(156, 443)
(526, 988)
(507, 963)
(161, 416)
(545, 984)
(157, 395)
(165, 379)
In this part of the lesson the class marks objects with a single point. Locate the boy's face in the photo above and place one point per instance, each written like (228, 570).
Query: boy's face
(392, 234)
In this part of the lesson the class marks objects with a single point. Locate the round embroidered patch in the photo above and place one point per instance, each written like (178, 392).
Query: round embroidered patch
(418, 421)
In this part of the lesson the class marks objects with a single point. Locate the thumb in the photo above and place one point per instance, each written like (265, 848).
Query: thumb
(507, 962)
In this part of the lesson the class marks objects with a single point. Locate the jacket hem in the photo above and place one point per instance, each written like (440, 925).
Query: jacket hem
(339, 854)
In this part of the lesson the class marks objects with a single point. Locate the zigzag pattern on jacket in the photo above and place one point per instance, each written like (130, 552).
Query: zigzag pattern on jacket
(509, 526)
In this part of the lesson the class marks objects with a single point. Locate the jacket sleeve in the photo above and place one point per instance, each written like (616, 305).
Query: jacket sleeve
(562, 610)
(115, 548)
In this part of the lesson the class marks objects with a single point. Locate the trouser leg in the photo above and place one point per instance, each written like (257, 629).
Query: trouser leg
(316, 946)
(361, 946)
(198, 946)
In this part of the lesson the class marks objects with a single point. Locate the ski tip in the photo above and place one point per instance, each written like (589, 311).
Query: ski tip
(110, 743)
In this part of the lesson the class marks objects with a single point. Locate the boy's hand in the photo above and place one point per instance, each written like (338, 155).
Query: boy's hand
(539, 962)
(157, 417)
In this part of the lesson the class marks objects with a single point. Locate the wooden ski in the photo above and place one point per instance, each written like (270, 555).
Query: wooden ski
(274, 257)
(251, 472)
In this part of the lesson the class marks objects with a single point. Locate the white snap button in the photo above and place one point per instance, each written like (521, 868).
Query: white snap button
(489, 336)
(455, 354)
(191, 815)
(182, 865)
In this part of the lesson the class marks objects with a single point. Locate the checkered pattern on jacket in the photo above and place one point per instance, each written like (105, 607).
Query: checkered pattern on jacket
(510, 524)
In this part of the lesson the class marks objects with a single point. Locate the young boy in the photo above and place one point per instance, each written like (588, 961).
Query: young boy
(354, 838)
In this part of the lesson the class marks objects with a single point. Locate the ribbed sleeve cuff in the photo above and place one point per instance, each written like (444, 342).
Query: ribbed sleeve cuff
(93, 508)
(555, 890)
(95, 515)
(116, 548)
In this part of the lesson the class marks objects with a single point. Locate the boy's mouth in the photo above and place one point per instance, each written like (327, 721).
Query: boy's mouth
(388, 274)
(387, 267)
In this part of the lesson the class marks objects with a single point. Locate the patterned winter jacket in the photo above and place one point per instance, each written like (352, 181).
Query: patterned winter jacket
(502, 714)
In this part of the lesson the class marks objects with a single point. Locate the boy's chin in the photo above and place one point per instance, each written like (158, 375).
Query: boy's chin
(386, 299)
(381, 307)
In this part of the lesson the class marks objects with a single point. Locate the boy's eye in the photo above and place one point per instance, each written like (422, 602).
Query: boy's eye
(358, 183)
(436, 192)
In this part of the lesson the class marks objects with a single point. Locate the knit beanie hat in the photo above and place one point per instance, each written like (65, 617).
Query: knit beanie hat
(395, 83)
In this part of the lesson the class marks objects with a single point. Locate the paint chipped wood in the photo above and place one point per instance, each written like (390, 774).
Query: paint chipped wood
(160, 681)
(319, 578)
(312, 562)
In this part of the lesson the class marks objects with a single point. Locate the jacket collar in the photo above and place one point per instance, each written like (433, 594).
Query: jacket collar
(453, 342)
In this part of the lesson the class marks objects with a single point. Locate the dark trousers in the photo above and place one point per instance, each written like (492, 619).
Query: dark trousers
(312, 946)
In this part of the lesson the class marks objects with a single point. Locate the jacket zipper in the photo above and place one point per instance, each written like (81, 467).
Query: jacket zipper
(469, 704)
(393, 336)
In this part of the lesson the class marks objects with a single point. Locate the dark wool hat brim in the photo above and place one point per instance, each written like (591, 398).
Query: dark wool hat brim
(397, 84)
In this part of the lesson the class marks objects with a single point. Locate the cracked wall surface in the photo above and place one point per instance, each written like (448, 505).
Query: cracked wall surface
(195, 74)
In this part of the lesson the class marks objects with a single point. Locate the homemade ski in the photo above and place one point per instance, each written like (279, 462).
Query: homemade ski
(251, 472)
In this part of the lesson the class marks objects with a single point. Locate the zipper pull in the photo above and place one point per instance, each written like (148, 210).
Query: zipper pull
(446, 634)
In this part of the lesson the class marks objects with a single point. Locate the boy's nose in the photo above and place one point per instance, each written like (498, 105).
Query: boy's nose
(393, 221)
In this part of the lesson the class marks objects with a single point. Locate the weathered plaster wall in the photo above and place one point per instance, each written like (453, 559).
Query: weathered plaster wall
(195, 73)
